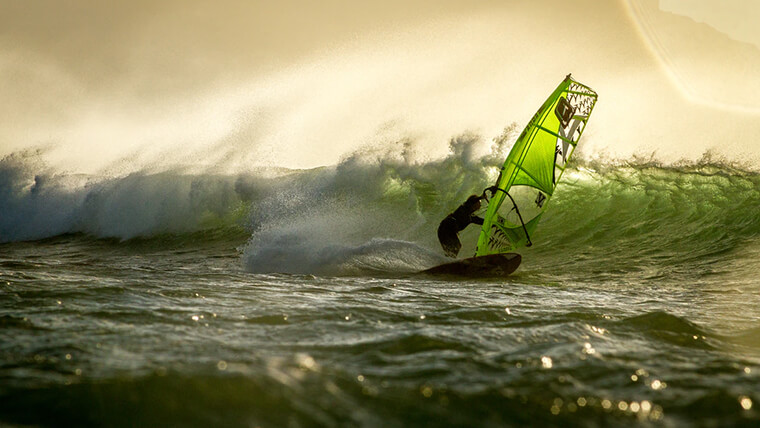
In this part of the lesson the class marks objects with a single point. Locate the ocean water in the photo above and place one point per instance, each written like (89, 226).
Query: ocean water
(288, 298)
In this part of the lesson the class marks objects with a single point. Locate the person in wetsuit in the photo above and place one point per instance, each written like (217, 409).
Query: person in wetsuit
(456, 222)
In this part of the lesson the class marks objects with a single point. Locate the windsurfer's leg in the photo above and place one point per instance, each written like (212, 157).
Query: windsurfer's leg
(447, 234)
(453, 247)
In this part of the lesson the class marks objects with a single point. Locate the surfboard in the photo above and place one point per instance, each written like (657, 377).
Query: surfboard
(494, 265)
(528, 178)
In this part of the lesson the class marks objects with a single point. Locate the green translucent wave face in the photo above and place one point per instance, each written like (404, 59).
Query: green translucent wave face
(651, 220)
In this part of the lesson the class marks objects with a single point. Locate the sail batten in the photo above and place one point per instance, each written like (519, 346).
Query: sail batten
(550, 132)
(534, 166)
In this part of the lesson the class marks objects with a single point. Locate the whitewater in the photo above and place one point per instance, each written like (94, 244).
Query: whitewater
(288, 297)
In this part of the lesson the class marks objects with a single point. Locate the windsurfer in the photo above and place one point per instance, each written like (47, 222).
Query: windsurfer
(458, 221)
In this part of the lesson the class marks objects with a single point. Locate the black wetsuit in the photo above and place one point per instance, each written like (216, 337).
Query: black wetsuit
(456, 222)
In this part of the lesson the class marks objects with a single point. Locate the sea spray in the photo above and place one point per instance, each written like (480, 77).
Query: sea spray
(373, 193)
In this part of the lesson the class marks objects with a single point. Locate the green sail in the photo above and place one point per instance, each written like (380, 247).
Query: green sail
(533, 168)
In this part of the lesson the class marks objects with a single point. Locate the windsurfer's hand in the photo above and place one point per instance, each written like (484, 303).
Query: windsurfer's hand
(492, 189)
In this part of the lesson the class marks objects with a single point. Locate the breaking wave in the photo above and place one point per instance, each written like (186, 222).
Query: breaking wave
(378, 210)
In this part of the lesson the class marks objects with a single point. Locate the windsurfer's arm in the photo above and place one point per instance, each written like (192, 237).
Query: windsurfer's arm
(476, 220)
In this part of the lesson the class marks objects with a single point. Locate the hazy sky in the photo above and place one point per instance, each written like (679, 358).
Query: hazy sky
(300, 83)
(737, 18)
